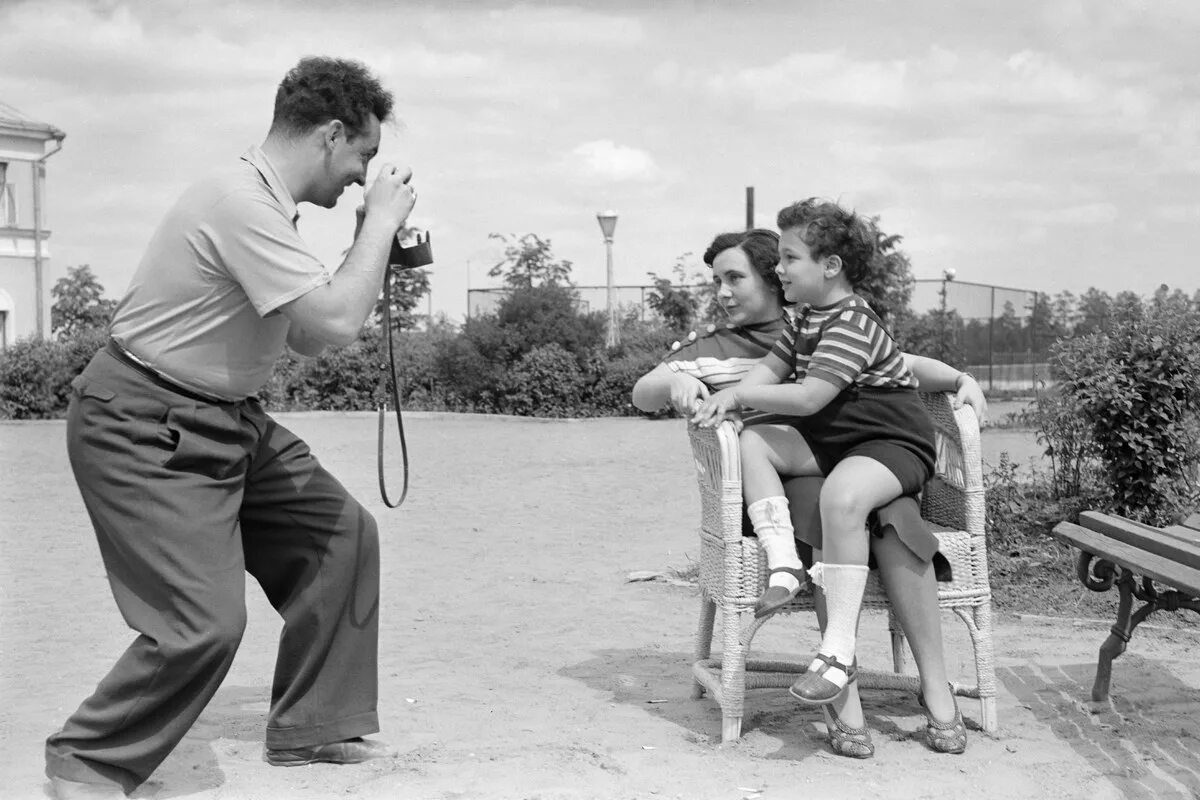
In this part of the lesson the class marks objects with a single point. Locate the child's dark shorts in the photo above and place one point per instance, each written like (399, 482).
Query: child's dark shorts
(890, 426)
(910, 468)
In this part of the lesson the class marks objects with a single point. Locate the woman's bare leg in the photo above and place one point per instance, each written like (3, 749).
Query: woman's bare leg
(912, 592)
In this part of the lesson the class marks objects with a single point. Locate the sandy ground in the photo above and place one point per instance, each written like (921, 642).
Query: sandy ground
(549, 675)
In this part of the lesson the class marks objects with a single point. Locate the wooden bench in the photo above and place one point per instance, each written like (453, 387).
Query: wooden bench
(1115, 551)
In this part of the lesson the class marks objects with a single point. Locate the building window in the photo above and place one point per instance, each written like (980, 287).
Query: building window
(8, 199)
(3, 331)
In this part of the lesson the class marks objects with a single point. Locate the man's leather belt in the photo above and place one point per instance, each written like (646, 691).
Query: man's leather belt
(118, 352)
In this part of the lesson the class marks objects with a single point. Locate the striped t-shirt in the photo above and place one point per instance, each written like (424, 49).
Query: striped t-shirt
(843, 343)
(721, 355)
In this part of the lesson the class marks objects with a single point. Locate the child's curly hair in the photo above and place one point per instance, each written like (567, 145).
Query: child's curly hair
(828, 229)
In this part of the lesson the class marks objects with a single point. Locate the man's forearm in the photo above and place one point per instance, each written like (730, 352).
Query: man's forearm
(335, 312)
(357, 283)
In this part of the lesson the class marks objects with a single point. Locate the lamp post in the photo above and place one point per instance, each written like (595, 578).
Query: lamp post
(608, 224)
(947, 275)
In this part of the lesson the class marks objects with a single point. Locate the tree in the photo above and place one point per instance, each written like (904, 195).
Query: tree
(1065, 312)
(676, 302)
(529, 261)
(1043, 330)
(1095, 312)
(408, 287)
(79, 303)
(934, 334)
(889, 285)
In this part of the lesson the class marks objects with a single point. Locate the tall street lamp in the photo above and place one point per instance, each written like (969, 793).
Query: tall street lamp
(608, 224)
(947, 276)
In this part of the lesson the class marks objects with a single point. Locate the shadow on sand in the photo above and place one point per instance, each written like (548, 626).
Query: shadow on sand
(659, 682)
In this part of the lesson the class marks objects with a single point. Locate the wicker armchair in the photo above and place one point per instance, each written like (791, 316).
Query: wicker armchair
(733, 572)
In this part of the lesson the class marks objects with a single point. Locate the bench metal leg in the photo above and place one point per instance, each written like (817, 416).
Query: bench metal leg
(1122, 630)
(1117, 639)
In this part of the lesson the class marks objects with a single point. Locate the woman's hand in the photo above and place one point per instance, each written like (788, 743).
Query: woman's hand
(971, 394)
(687, 392)
(716, 408)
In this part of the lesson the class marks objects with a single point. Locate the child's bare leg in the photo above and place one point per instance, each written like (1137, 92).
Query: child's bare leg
(767, 451)
(855, 487)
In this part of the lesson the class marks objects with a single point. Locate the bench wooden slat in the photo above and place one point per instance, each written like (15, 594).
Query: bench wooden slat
(1169, 544)
(1192, 522)
(1151, 565)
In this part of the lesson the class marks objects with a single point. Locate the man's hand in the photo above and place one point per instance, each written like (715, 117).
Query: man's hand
(391, 196)
(717, 408)
(686, 393)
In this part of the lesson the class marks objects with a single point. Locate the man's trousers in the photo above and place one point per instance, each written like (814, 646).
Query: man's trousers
(187, 496)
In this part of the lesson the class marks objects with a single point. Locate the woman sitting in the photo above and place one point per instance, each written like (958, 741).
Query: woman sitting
(749, 291)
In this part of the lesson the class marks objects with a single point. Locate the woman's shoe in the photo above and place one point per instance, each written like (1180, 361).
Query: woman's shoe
(847, 741)
(945, 737)
(776, 597)
(815, 689)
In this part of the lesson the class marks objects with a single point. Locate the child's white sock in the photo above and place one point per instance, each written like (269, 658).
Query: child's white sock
(772, 523)
(843, 585)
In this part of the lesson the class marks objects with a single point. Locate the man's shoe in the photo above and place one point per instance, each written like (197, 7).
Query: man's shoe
(64, 789)
(350, 751)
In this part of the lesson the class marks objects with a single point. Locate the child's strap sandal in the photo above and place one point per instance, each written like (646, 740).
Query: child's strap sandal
(815, 689)
(776, 597)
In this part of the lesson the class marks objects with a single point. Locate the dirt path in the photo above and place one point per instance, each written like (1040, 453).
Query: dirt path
(551, 676)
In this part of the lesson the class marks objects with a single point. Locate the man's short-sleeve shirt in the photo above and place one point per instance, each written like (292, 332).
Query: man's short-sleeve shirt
(202, 307)
(843, 344)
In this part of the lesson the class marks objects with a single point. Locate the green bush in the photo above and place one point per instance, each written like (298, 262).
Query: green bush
(1066, 433)
(36, 373)
(1138, 387)
(545, 382)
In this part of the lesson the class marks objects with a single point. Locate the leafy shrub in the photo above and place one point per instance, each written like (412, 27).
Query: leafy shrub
(545, 382)
(36, 373)
(1139, 388)
(1066, 433)
(343, 378)
(1023, 558)
(612, 383)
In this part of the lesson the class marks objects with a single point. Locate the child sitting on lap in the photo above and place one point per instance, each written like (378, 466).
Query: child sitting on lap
(862, 425)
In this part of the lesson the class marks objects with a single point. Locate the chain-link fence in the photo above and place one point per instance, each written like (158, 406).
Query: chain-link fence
(998, 333)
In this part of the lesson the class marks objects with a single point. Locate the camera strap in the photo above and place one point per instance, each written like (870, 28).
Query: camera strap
(389, 370)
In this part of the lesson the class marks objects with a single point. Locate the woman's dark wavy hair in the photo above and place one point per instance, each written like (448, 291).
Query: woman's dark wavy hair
(319, 89)
(761, 247)
(830, 230)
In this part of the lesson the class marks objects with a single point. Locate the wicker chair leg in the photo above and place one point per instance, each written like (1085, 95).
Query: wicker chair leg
(704, 636)
(985, 667)
(731, 728)
(733, 673)
(898, 647)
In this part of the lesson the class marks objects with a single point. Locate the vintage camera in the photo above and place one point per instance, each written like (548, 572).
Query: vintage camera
(411, 252)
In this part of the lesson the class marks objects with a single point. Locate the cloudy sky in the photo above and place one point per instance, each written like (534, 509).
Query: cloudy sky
(1041, 144)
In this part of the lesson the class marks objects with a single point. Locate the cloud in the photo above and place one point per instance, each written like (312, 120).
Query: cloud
(825, 78)
(1183, 212)
(604, 160)
(564, 27)
(1085, 214)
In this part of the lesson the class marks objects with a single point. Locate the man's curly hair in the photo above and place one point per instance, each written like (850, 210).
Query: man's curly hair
(828, 229)
(319, 89)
